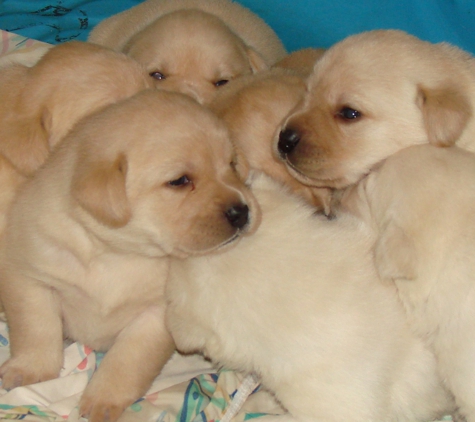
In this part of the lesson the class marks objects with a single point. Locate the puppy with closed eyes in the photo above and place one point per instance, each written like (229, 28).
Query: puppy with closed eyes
(254, 108)
(422, 204)
(192, 46)
(373, 94)
(299, 304)
(88, 239)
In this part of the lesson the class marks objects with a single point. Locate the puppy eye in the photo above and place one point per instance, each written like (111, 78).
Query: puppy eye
(348, 113)
(157, 75)
(181, 181)
(221, 82)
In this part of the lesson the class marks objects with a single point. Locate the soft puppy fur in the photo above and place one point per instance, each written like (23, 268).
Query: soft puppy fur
(370, 96)
(301, 61)
(299, 303)
(193, 46)
(254, 109)
(40, 104)
(422, 203)
(88, 239)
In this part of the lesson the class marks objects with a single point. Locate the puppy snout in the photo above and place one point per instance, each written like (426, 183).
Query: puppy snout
(288, 140)
(238, 215)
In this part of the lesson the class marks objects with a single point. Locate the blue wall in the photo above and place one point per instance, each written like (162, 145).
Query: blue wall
(299, 23)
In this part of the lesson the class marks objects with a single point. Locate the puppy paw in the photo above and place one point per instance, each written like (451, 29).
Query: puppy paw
(105, 405)
(16, 372)
(99, 412)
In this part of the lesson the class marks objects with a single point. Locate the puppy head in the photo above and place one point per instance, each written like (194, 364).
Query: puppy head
(370, 96)
(196, 65)
(254, 109)
(43, 102)
(156, 171)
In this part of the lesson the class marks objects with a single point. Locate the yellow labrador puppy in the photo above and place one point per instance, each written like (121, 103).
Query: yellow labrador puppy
(299, 304)
(422, 202)
(373, 94)
(193, 46)
(254, 108)
(40, 104)
(89, 236)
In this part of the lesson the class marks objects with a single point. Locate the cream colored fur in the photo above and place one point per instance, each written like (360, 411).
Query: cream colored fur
(406, 91)
(422, 203)
(193, 46)
(87, 241)
(117, 30)
(254, 108)
(299, 303)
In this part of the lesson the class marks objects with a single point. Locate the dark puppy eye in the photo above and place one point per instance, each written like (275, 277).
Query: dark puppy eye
(181, 181)
(221, 82)
(348, 113)
(157, 75)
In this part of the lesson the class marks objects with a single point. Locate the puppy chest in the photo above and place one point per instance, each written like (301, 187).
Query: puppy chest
(111, 294)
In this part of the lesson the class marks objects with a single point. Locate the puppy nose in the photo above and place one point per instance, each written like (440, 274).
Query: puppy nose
(238, 215)
(288, 140)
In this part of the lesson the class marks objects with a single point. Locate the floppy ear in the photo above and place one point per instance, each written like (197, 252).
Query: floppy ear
(24, 143)
(255, 60)
(446, 112)
(99, 187)
(394, 254)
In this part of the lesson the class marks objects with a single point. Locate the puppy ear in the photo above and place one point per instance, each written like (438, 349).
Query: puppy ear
(100, 189)
(24, 143)
(256, 60)
(446, 112)
(394, 254)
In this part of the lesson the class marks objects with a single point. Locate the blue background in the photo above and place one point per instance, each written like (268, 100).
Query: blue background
(299, 23)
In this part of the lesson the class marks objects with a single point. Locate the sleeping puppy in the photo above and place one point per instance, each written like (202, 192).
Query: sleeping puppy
(88, 239)
(422, 203)
(370, 96)
(299, 304)
(192, 46)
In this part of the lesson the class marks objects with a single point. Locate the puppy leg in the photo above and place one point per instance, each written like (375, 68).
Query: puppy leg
(129, 367)
(36, 346)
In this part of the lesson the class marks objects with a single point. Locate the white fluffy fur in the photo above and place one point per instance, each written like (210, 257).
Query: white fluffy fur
(300, 304)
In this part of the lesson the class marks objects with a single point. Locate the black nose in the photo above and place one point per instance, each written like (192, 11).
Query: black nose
(288, 140)
(238, 215)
